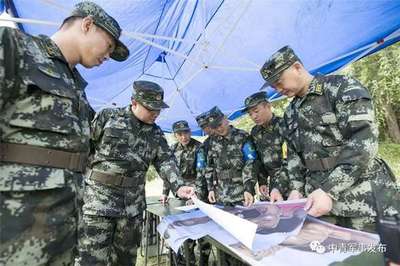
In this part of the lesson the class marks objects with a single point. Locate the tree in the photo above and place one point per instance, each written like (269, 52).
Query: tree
(380, 73)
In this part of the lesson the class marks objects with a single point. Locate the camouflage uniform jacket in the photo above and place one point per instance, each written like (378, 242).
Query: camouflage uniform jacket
(186, 159)
(333, 142)
(201, 163)
(42, 103)
(234, 172)
(268, 141)
(123, 145)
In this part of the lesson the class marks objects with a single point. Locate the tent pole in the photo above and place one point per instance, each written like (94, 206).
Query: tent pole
(244, 69)
(9, 7)
(57, 5)
(179, 89)
(29, 21)
(367, 48)
(231, 30)
(184, 84)
(372, 47)
(138, 37)
(160, 47)
(134, 36)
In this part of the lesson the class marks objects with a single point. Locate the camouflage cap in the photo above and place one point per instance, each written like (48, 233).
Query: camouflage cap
(106, 22)
(201, 119)
(180, 126)
(149, 94)
(277, 63)
(254, 99)
(215, 117)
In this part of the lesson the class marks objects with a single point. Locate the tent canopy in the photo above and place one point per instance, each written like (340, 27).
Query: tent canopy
(205, 53)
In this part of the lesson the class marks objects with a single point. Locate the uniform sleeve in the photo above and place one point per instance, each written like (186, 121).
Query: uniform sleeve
(97, 125)
(355, 115)
(10, 55)
(166, 187)
(262, 173)
(281, 181)
(210, 168)
(200, 183)
(10, 60)
(165, 163)
(279, 175)
(249, 171)
(295, 170)
(96, 130)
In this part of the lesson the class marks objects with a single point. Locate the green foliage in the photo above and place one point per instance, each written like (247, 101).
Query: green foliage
(151, 173)
(391, 154)
(245, 122)
(380, 73)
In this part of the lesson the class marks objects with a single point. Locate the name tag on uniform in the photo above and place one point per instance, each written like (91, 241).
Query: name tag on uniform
(329, 118)
(49, 72)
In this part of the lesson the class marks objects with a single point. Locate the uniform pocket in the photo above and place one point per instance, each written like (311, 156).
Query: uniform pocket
(329, 142)
(115, 135)
(235, 159)
(49, 104)
(115, 142)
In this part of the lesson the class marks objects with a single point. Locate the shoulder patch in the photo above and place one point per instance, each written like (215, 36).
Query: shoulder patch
(249, 152)
(353, 90)
(200, 159)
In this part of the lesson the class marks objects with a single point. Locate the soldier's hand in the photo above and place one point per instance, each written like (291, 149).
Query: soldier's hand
(248, 199)
(164, 199)
(275, 195)
(294, 194)
(185, 192)
(318, 203)
(264, 190)
(211, 197)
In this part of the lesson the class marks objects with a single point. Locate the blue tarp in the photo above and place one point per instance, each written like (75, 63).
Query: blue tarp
(225, 43)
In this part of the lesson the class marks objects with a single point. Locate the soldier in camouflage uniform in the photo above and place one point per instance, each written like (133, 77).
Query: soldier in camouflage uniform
(231, 167)
(201, 159)
(332, 143)
(44, 133)
(186, 151)
(126, 141)
(201, 183)
(268, 140)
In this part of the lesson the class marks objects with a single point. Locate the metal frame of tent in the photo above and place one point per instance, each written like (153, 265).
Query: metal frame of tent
(202, 40)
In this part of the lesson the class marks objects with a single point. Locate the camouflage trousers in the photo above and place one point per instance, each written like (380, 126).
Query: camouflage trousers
(204, 249)
(366, 224)
(110, 240)
(38, 227)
